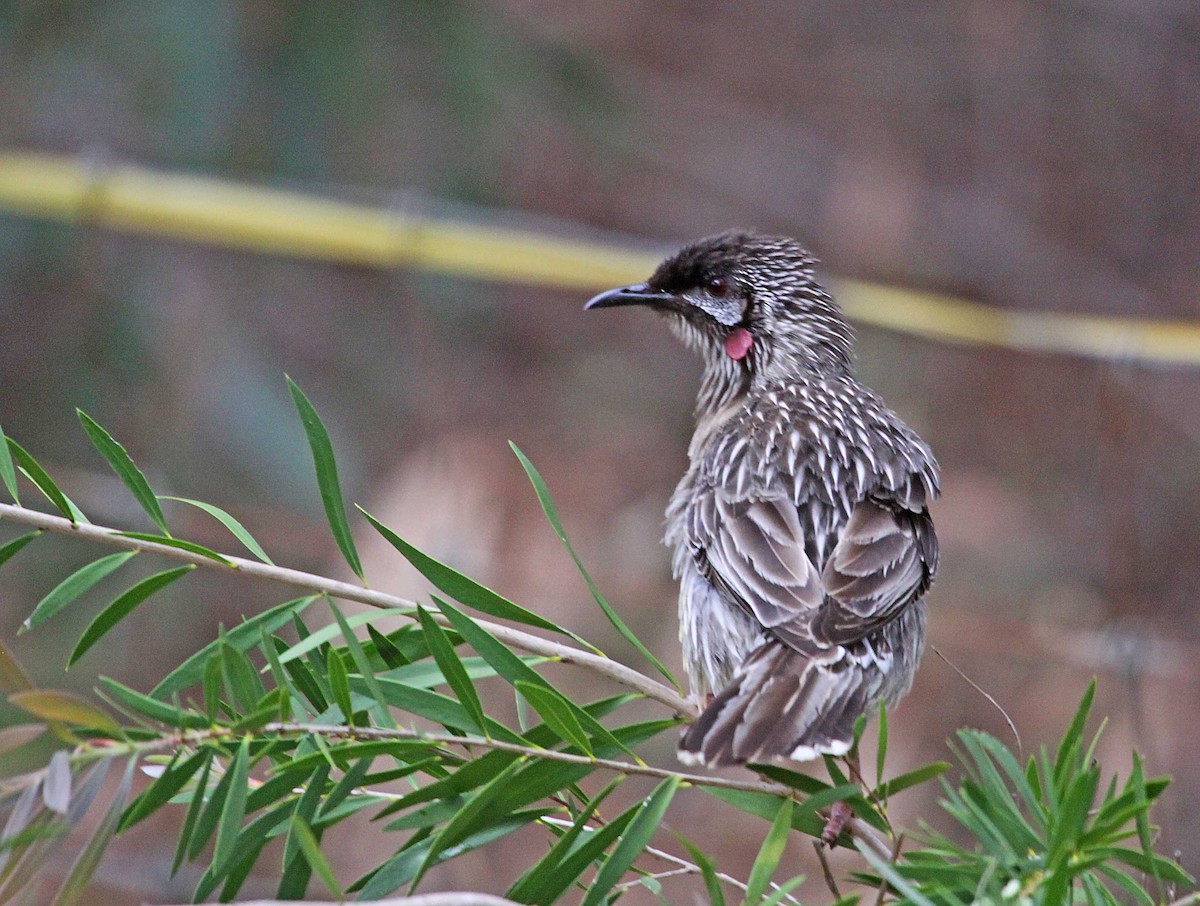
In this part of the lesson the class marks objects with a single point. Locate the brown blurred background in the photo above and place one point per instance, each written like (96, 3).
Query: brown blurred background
(1038, 156)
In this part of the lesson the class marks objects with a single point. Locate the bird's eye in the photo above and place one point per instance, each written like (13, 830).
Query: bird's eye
(718, 286)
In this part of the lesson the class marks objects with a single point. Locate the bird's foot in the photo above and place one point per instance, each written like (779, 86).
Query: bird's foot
(839, 815)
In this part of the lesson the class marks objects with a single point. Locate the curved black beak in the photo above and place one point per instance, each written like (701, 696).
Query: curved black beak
(637, 294)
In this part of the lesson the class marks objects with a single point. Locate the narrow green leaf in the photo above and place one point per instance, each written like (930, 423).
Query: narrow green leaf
(452, 668)
(241, 679)
(151, 708)
(193, 811)
(12, 548)
(549, 865)
(49, 704)
(315, 858)
(122, 607)
(7, 473)
(327, 633)
(39, 477)
(896, 880)
(234, 808)
(708, 871)
(769, 854)
(777, 896)
(327, 477)
(236, 528)
(340, 684)
(889, 788)
(766, 806)
(881, 751)
(468, 820)
(556, 713)
(633, 841)
(12, 675)
(121, 463)
(399, 870)
(592, 844)
(173, 779)
(513, 668)
(306, 808)
(382, 714)
(242, 637)
(76, 882)
(466, 591)
(387, 650)
(212, 687)
(547, 502)
(179, 544)
(70, 588)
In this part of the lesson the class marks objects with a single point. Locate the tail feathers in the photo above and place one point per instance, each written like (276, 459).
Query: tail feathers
(782, 706)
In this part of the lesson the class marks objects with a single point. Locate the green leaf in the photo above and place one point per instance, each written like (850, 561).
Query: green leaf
(179, 544)
(769, 854)
(241, 679)
(592, 845)
(333, 630)
(452, 668)
(881, 751)
(242, 637)
(171, 715)
(708, 871)
(191, 818)
(557, 714)
(12, 675)
(549, 867)
(44, 482)
(513, 668)
(633, 841)
(236, 528)
(49, 704)
(173, 779)
(76, 882)
(73, 586)
(327, 477)
(470, 819)
(382, 714)
(547, 502)
(234, 809)
(466, 591)
(12, 548)
(315, 858)
(122, 607)
(889, 788)
(7, 473)
(119, 459)
(766, 806)
(340, 684)
(791, 884)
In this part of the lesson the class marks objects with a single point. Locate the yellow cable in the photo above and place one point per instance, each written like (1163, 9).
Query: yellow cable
(270, 221)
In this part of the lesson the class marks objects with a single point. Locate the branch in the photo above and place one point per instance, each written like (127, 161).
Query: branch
(618, 672)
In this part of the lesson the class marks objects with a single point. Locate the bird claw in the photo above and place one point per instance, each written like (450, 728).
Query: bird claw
(839, 815)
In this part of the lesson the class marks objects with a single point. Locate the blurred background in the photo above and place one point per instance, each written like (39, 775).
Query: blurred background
(1032, 156)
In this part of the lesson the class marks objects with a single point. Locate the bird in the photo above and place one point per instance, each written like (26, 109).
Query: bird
(801, 534)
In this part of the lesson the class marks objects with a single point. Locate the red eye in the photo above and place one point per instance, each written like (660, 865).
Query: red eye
(718, 286)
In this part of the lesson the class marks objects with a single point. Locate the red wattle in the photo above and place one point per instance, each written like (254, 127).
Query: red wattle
(738, 342)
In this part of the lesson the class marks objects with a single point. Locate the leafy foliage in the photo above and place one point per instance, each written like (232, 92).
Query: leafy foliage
(279, 730)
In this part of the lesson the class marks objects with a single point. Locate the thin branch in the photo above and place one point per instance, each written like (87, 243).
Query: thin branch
(974, 685)
(618, 672)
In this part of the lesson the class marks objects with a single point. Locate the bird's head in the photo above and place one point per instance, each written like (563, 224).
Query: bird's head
(749, 303)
